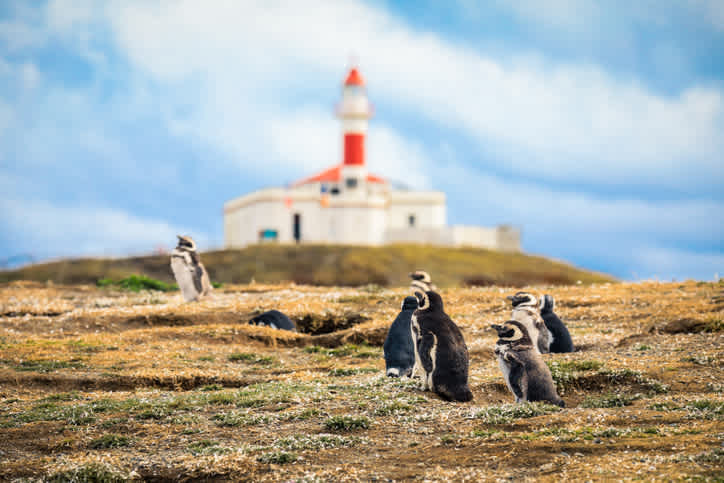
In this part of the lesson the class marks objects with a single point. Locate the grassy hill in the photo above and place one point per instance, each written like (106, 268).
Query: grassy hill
(328, 265)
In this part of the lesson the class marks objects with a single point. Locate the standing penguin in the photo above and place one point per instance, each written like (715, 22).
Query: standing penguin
(188, 270)
(423, 277)
(440, 350)
(275, 320)
(399, 349)
(525, 373)
(562, 341)
(526, 311)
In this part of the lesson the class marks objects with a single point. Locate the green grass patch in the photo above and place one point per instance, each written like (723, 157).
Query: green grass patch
(342, 372)
(239, 419)
(207, 447)
(251, 358)
(347, 423)
(302, 415)
(300, 442)
(699, 409)
(347, 350)
(211, 387)
(62, 396)
(136, 283)
(48, 365)
(88, 473)
(507, 413)
(395, 407)
(110, 441)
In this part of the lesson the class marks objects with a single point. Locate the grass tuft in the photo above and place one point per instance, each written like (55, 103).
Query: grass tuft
(88, 473)
(207, 447)
(109, 441)
(347, 423)
(277, 458)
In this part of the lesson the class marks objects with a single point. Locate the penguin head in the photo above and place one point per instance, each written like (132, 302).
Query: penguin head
(512, 332)
(427, 300)
(523, 299)
(186, 243)
(410, 303)
(420, 285)
(546, 303)
(421, 275)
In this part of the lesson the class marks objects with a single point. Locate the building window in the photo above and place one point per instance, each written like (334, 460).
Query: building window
(411, 220)
(334, 190)
(351, 183)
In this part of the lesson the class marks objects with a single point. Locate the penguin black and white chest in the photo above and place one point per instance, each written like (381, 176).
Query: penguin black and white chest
(526, 311)
(562, 341)
(189, 272)
(441, 353)
(275, 320)
(398, 348)
(524, 370)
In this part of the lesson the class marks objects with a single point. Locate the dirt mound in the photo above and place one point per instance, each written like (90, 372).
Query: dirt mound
(316, 324)
(689, 325)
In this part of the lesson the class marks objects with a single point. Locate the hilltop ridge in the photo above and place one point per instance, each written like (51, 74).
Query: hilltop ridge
(329, 265)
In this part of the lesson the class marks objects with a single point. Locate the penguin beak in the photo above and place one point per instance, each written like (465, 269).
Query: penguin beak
(510, 297)
(498, 328)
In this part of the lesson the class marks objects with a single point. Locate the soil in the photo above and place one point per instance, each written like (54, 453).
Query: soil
(102, 385)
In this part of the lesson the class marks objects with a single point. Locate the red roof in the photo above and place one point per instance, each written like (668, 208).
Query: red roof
(334, 174)
(354, 78)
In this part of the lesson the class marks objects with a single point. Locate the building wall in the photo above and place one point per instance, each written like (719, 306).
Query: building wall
(379, 216)
(428, 208)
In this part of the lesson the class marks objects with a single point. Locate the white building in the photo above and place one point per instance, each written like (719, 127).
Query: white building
(346, 204)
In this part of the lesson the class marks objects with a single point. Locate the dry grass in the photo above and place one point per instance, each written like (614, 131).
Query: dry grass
(102, 385)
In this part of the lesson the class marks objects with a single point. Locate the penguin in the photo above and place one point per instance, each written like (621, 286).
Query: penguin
(275, 320)
(440, 350)
(398, 348)
(525, 373)
(561, 338)
(423, 277)
(526, 311)
(188, 270)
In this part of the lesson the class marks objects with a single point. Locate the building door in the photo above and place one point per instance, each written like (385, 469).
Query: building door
(297, 229)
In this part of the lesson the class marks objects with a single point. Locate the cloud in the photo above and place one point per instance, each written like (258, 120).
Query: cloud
(185, 104)
(667, 264)
(566, 123)
(38, 228)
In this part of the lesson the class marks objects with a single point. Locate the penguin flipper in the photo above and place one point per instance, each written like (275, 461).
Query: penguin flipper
(425, 347)
(517, 377)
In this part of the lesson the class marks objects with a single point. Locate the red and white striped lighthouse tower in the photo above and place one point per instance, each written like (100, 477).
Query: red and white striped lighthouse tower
(355, 111)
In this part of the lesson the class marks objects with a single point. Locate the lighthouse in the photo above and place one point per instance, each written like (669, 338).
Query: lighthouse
(345, 204)
(354, 111)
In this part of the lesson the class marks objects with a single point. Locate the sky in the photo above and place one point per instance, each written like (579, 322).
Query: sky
(597, 128)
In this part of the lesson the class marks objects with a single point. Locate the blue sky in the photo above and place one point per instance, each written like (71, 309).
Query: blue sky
(596, 127)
